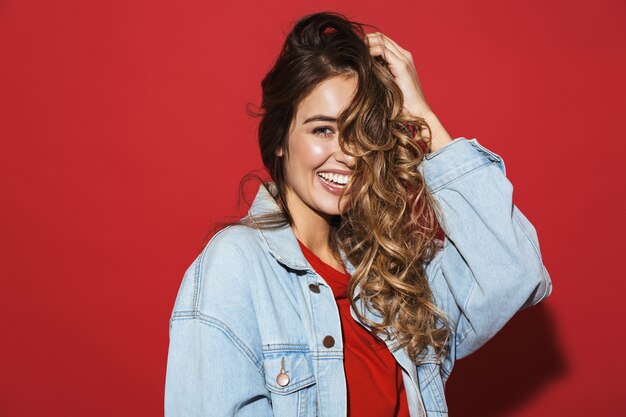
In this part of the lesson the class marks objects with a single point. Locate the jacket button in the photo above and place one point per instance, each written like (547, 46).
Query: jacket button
(315, 288)
(328, 341)
(282, 379)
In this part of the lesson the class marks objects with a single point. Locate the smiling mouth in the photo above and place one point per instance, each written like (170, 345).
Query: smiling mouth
(336, 180)
(335, 188)
(332, 183)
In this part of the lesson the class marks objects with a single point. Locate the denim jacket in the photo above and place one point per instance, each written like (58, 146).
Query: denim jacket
(251, 307)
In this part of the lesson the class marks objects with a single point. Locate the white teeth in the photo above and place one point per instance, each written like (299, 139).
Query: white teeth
(337, 178)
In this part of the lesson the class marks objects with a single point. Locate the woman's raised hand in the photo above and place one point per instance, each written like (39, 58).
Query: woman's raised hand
(403, 69)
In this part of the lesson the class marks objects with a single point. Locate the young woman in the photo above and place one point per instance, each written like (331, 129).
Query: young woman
(380, 252)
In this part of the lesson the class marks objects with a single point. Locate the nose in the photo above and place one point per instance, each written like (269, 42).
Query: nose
(341, 156)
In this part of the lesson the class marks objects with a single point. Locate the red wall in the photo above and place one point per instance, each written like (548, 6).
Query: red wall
(124, 136)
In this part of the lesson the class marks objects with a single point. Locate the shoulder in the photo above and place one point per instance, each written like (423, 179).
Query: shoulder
(236, 236)
(215, 289)
(220, 274)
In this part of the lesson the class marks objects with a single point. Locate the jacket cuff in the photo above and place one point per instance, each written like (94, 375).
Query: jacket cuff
(456, 159)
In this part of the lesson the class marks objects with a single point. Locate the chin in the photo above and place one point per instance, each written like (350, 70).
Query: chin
(330, 208)
(329, 211)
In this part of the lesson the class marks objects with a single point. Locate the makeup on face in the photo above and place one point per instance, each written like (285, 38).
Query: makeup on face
(317, 169)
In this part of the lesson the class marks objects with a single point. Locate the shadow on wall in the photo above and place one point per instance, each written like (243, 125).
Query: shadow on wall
(508, 370)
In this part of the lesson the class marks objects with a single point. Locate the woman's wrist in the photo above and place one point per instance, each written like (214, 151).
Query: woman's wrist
(439, 136)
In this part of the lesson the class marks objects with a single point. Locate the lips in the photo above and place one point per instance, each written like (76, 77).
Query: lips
(330, 187)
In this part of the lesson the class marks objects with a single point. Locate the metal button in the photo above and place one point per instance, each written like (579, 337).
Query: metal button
(328, 341)
(315, 288)
(282, 379)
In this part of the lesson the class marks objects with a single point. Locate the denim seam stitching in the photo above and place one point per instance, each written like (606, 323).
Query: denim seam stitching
(431, 374)
(293, 387)
(537, 252)
(196, 281)
(211, 321)
(462, 175)
(197, 272)
(286, 347)
(438, 267)
(440, 151)
(301, 398)
(491, 155)
(436, 392)
(471, 328)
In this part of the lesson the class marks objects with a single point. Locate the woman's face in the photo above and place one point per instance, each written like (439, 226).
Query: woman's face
(316, 166)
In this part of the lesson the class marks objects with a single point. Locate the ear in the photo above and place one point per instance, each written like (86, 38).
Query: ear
(279, 152)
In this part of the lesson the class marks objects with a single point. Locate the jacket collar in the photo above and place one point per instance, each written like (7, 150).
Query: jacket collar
(282, 243)
(283, 246)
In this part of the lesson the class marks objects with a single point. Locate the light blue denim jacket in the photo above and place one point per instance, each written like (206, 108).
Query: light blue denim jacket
(250, 305)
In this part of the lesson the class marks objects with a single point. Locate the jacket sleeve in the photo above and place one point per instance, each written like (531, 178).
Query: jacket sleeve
(490, 266)
(210, 375)
(214, 364)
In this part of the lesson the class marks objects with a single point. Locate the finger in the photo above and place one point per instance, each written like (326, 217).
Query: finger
(380, 47)
(395, 44)
(387, 39)
(380, 39)
(388, 55)
(388, 42)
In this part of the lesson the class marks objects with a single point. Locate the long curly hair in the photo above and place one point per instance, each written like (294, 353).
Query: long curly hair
(390, 230)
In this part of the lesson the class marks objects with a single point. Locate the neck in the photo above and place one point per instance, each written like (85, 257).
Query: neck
(310, 226)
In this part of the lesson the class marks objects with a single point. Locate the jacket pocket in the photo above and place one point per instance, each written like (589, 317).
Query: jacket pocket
(432, 388)
(290, 379)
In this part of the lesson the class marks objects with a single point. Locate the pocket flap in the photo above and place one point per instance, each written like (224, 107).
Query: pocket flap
(297, 366)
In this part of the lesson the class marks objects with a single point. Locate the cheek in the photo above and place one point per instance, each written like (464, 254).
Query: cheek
(310, 153)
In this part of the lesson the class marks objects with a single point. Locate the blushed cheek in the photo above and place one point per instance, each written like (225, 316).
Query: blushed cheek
(318, 152)
(314, 152)
(310, 152)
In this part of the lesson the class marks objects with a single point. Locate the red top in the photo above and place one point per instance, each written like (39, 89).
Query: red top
(373, 376)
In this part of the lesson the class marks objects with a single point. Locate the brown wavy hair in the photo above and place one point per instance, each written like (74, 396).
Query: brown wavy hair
(389, 230)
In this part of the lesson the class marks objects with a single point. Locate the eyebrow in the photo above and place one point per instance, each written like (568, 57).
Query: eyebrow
(320, 118)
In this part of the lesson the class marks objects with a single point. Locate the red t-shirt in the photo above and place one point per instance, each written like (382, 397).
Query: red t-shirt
(373, 376)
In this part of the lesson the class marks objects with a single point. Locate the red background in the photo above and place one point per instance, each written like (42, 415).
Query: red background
(124, 137)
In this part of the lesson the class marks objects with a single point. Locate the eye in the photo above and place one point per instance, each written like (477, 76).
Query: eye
(322, 129)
